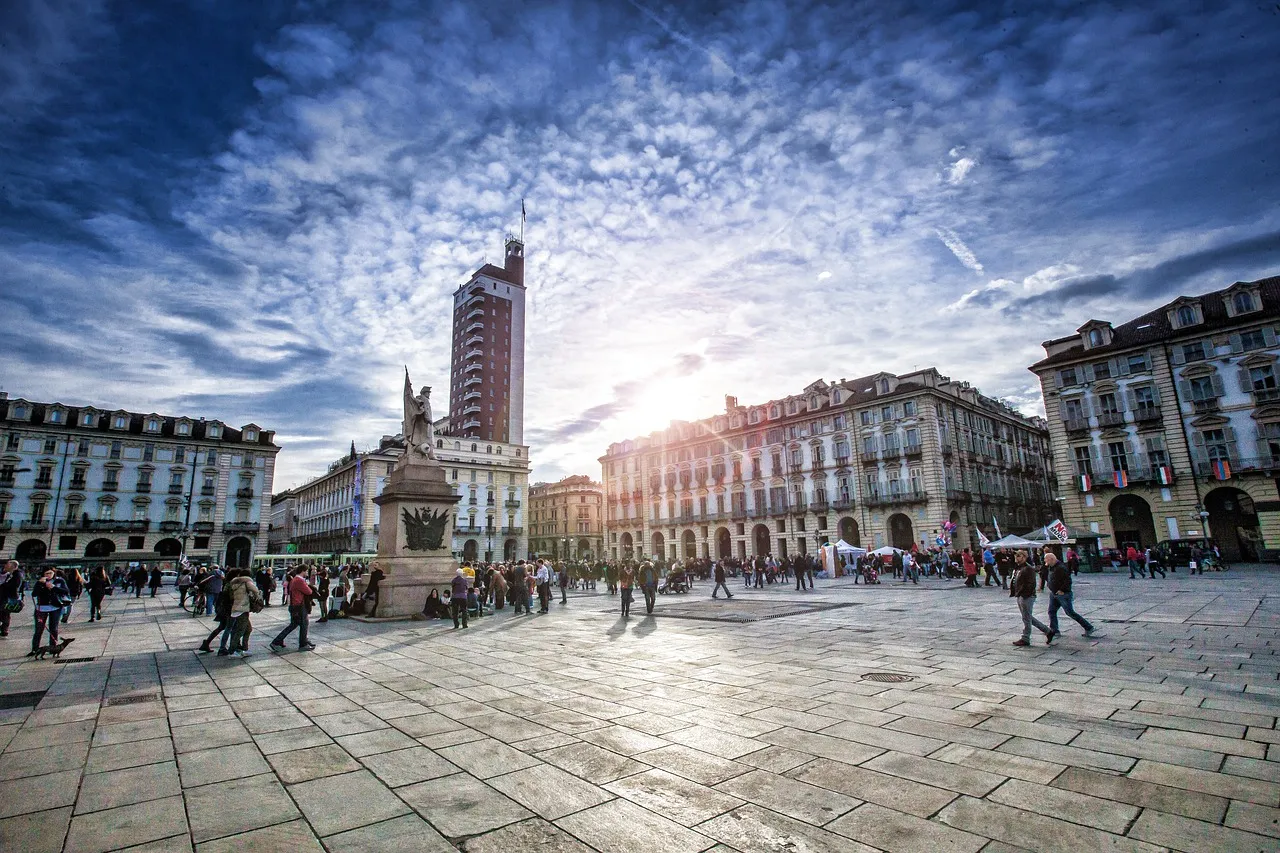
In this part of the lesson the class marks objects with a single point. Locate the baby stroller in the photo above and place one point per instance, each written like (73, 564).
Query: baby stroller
(870, 574)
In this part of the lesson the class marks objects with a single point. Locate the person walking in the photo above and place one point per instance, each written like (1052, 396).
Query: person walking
(562, 580)
(720, 584)
(1073, 561)
(458, 589)
(299, 591)
(989, 567)
(625, 578)
(971, 568)
(212, 586)
(98, 585)
(909, 568)
(1134, 559)
(51, 595)
(156, 580)
(519, 603)
(648, 584)
(543, 577)
(499, 586)
(1060, 596)
(245, 598)
(184, 586)
(322, 593)
(12, 582)
(222, 623)
(1023, 588)
(1152, 558)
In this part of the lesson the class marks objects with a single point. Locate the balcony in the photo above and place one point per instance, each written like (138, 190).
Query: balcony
(170, 526)
(241, 527)
(471, 395)
(1240, 465)
(512, 531)
(799, 507)
(473, 500)
(908, 497)
(74, 485)
(913, 449)
(473, 301)
(471, 380)
(33, 525)
(472, 409)
(175, 488)
(1110, 419)
(475, 327)
(6, 525)
(43, 483)
(468, 531)
(143, 488)
(818, 506)
(6, 483)
(842, 461)
(511, 504)
(892, 453)
(739, 514)
(115, 525)
(203, 528)
(474, 340)
(869, 456)
(1207, 405)
(842, 503)
(474, 353)
(1146, 414)
(471, 423)
(208, 490)
(110, 486)
(1076, 424)
(474, 313)
(1266, 395)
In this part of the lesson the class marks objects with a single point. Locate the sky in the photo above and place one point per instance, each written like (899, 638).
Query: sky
(258, 212)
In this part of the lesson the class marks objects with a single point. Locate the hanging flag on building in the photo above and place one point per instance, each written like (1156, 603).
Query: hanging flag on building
(996, 524)
(983, 541)
(357, 499)
(1222, 469)
(1165, 473)
(1086, 482)
(1120, 478)
(1058, 530)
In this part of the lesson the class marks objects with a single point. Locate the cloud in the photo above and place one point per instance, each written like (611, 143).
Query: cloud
(962, 252)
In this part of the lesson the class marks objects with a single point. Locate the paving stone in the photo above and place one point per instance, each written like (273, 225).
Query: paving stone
(1252, 767)
(292, 739)
(549, 792)
(100, 791)
(592, 763)
(38, 793)
(209, 735)
(891, 830)
(825, 746)
(38, 736)
(862, 784)
(533, 834)
(131, 732)
(265, 804)
(1146, 794)
(796, 799)
(1193, 836)
(962, 780)
(752, 829)
(776, 759)
(126, 826)
(1034, 831)
(1217, 784)
(1251, 817)
(488, 757)
(408, 834)
(339, 803)
(623, 740)
(407, 766)
(371, 743)
(999, 763)
(619, 826)
(1067, 755)
(1066, 805)
(39, 762)
(700, 767)
(293, 837)
(331, 704)
(674, 797)
(461, 805)
(218, 765)
(421, 725)
(35, 832)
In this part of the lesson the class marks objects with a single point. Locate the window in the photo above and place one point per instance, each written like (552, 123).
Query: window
(1067, 376)
(839, 422)
(1242, 302)
(1271, 441)
(106, 510)
(1144, 398)
(884, 386)
(865, 418)
(1102, 370)
(909, 409)
(1253, 339)
(835, 396)
(1186, 316)
(115, 450)
(1202, 389)
(1095, 337)
(1156, 454)
(87, 419)
(55, 416)
(1107, 404)
(869, 444)
(1194, 352)
(50, 446)
(1262, 378)
(120, 422)
(886, 413)
(1137, 363)
(1072, 410)
(1216, 444)
(1119, 456)
(1084, 462)
(183, 429)
(37, 512)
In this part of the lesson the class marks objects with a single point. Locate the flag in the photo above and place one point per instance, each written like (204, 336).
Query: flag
(996, 524)
(522, 207)
(1120, 478)
(982, 540)
(1165, 473)
(1058, 530)
(1222, 469)
(1086, 482)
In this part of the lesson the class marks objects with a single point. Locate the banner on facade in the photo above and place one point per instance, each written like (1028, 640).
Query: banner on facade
(1058, 530)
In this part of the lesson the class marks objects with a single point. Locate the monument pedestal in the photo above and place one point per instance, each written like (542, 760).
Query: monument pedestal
(415, 531)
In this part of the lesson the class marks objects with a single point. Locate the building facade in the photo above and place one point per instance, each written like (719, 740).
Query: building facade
(83, 483)
(883, 459)
(336, 513)
(486, 382)
(1168, 426)
(283, 525)
(566, 519)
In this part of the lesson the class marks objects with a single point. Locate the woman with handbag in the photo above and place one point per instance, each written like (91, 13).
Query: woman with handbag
(99, 585)
(51, 595)
(11, 583)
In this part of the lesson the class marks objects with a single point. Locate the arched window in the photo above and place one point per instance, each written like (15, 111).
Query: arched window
(489, 448)
(1186, 316)
(439, 444)
(473, 447)
(1095, 337)
(457, 445)
(1243, 302)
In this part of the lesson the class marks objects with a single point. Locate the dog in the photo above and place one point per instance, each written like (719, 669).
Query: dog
(54, 649)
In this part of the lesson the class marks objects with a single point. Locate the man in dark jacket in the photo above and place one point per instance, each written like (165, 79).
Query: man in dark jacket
(720, 581)
(11, 589)
(458, 598)
(1060, 596)
(1023, 588)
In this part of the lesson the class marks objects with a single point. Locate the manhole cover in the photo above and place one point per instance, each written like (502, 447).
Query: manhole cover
(887, 677)
(21, 700)
(74, 660)
(131, 700)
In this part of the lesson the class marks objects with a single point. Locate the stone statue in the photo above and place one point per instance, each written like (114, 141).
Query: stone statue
(419, 434)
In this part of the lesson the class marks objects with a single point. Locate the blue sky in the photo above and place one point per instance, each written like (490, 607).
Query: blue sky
(258, 211)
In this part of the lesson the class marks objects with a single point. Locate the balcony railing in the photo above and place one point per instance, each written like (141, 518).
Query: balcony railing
(43, 483)
(1110, 419)
(842, 503)
(34, 525)
(1239, 465)
(818, 506)
(1146, 414)
(1266, 395)
(110, 485)
(473, 340)
(471, 423)
(471, 409)
(170, 526)
(869, 455)
(116, 525)
(246, 492)
(1207, 405)
(6, 525)
(799, 506)
(472, 380)
(908, 497)
(474, 353)
(739, 514)
(468, 531)
(892, 453)
(474, 312)
(207, 490)
(241, 527)
(175, 488)
(1076, 424)
(203, 527)
(143, 488)
(511, 504)
(74, 485)
(471, 395)
(913, 449)
(512, 531)
(842, 461)
(475, 327)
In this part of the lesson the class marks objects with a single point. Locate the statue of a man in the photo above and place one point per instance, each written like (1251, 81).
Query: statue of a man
(419, 434)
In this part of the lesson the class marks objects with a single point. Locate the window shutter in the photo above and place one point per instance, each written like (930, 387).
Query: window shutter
(1113, 365)
(1131, 399)
(1086, 372)
(1086, 405)
(1232, 452)
(1120, 366)
(1269, 335)
(1184, 390)
(1219, 389)
(1245, 385)
(1237, 345)
(1177, 356)
(1155, 394)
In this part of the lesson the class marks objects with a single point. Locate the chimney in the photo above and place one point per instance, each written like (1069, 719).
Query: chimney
(514, 264)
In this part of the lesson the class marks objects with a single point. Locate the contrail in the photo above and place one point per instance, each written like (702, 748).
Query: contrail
(683, 39)
(962, 252)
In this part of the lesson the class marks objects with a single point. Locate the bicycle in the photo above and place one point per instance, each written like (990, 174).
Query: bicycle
(196, 602)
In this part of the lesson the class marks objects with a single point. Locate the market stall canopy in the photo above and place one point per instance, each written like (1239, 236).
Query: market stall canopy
(1074, 534)
(887, 550)
(1015, 541)
(843, 547)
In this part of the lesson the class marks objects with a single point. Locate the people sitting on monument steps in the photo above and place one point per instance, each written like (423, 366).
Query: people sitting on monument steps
(435, 607)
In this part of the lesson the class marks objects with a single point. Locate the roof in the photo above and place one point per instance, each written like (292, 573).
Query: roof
(1154, 326)
(230, 435)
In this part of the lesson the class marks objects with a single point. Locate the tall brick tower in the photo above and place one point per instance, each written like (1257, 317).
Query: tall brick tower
(486, 383)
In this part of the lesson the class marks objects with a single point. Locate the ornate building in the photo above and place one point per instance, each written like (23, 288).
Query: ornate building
(1170, 422)
(282, 531)
(335, 511)
(883, 459)
(566, 518)
(78, 482)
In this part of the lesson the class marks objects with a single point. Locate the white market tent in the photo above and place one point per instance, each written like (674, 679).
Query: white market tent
(1014, 541)
(845, 549)
(886, 551)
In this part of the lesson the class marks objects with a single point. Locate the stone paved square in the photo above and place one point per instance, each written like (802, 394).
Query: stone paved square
(581, 731)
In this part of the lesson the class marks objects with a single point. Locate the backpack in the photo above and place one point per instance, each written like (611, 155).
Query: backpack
(256, 602)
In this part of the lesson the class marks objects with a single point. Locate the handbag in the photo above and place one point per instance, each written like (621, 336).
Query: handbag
(14, 605)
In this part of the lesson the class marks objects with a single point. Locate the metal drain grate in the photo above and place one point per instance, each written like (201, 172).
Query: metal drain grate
(30, 699)
(887, 677)
(74, 660)
(112, 701)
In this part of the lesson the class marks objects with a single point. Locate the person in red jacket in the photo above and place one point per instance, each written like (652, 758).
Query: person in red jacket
(299, 591)
(970, 569)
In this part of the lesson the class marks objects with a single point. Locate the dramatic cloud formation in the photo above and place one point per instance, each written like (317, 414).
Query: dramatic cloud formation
(259, 211)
